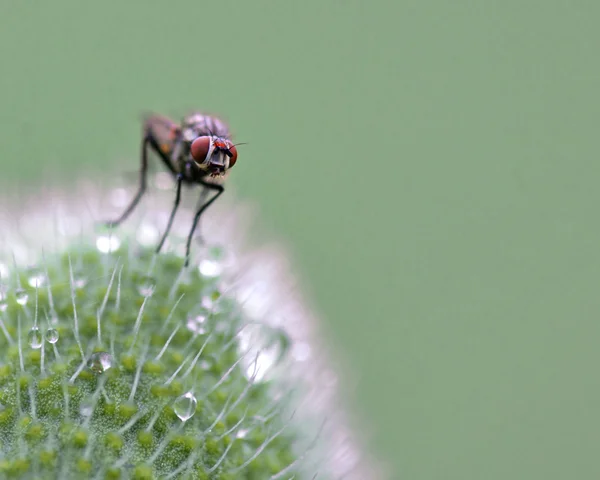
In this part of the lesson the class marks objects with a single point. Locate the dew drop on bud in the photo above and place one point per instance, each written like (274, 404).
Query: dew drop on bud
(185, 406)
(107, 243)
(146, 286)
(211, 262)
(35, 277)
(51, 335)
(34, 337)
(22, 296)
(100, 362)
(241, 433)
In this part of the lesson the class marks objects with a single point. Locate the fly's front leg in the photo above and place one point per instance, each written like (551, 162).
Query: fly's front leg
(208, 186)
(201, 200)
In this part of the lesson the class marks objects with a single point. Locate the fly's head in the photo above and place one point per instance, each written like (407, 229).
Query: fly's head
(215, 155)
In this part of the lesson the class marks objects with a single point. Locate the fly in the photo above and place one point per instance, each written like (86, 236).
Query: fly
(197, 151)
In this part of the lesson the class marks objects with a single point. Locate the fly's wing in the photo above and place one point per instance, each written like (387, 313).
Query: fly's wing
(162, 128)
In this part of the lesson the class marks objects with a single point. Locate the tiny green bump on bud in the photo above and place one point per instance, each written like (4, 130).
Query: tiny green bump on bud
(183, 441)
(219, 428)
(113, 441)
(86, 375)
(129, 363)
(109, 409)
(175, 388)
(79, 438)
(35, 432)
(48, 458)
(19, 466)
(45, 384)
(113, 474)
(5, 371)
(6, 417)
(160, 391)
(23, 381)
(58, 367)
(142, 472)
(24, 422)
(126, 410)
(211, 447)
(145, 439)
(176, 358)
(153, 368)
(34, 356)
(83, 466)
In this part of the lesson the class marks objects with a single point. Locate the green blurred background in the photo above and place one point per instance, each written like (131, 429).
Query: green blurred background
(433, 166)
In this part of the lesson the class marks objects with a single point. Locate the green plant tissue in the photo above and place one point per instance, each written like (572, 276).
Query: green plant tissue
(119, 363)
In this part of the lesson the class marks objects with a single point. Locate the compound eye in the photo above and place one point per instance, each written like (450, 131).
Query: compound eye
(199, 149)
(233, 157)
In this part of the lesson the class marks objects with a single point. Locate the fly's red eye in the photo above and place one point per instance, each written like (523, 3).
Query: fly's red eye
(199, 149)
(233, 157)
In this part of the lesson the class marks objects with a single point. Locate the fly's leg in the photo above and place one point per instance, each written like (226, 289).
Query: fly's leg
(142, 188)
(175, 205)
(208, 186)
(201, 200)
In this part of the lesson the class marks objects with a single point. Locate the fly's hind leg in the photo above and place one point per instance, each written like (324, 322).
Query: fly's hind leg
(142, 185)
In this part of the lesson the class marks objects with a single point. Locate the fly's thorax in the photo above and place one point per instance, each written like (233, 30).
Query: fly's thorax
(199, 125)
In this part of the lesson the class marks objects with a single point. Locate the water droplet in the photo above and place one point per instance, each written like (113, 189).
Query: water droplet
(211, 263)
(100, 362)
(52, 335)
(241, 433)
(196, 320)
(107, 243)
(146, 286)
(185, 406)
(86, 407)
(22, 296)
(36, 277)
(34, 337)
(3, 298)
(53, 319)
(265, 346)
